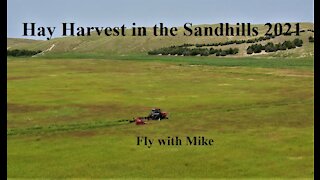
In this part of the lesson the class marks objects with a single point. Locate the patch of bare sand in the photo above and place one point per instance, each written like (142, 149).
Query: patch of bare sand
(47, 50)
(290, 73)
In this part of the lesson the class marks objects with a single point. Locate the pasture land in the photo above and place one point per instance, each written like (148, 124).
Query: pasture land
(63, 117)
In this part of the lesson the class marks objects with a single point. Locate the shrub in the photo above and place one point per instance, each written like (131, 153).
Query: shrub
(22, 52)
(178, 50)
(223, 53)
(249, 51)
(289, 44)
(311, 39)
(297, 42)
(204, 52)
(282, 47)
(212, 51)
(256, 48)
(270, 47)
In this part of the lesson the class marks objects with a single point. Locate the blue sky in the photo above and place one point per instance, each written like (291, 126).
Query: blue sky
(148, 12)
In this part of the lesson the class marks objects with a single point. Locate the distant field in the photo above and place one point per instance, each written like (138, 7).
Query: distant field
(63, 115)
(259, 61)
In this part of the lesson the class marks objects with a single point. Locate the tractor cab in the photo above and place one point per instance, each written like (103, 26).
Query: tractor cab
(155, 111)
(156, 114)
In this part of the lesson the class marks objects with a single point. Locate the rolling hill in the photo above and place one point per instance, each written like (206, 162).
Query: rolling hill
(106, 45)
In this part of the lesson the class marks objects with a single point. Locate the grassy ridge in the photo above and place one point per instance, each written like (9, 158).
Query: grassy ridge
(141, 45)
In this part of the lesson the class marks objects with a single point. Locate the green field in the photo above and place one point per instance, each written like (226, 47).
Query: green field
(64, 111)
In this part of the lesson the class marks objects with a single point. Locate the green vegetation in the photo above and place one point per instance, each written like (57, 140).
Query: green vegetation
(297, 42)
(254, 62)
(311, 39)
(254, 40)
(132, 45)
(64, 118)
(173, 50)
(270, 47)
(23, 52)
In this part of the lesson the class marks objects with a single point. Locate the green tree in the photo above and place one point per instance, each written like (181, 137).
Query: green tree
(249, 51)
(311, 39)
(297, 42)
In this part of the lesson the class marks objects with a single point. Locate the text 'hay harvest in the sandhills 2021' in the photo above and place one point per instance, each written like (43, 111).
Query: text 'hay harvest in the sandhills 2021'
(170, 90)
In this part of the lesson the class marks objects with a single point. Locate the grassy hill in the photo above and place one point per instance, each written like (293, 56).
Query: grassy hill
(105, 45)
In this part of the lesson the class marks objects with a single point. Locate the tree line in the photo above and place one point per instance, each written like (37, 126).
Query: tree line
(21, 52)
(254, 40)
(263, 38)
(270, 47)
(177, 50)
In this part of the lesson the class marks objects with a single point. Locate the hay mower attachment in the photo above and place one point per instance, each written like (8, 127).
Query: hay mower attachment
(155, 114)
